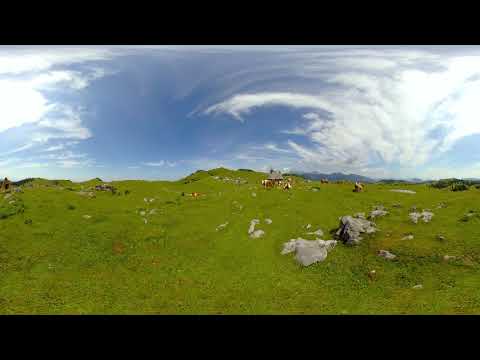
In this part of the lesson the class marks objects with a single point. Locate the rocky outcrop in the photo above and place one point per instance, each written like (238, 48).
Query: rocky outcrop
(351, 229)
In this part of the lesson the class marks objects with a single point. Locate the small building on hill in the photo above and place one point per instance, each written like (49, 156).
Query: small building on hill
(275, 176)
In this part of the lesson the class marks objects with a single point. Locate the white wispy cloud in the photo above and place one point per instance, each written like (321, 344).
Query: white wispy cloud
(244, 103)
(154, 164)
(394, 107)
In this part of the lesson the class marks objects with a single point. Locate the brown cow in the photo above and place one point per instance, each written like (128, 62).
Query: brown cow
(267, 183)
(5, 185)
(358, 187)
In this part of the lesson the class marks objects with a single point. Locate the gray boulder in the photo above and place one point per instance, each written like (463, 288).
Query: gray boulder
(257, 234)
(268, 221)
(308, 252)
(307, 255)
(350, 229)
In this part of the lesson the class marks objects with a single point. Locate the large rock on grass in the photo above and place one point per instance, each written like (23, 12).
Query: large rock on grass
(351, 229)
(309, 252)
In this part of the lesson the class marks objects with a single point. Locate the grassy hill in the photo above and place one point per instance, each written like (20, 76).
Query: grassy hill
(62, 252)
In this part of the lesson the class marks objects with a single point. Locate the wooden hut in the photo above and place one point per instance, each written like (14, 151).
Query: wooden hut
(275, 176)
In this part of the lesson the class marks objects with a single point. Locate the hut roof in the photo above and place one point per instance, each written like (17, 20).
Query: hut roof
(275, 175)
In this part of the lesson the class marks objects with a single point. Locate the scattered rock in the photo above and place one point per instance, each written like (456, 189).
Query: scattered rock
(222, 226)
(351, 228)
(448, 257)
(308, 226)
(145, 220)
(268, 221)
(318, 233)
(441, 237)
(403, 191)
(152, 212)
(315, 189)
(11, 202)
(142, 213)
(254, 194)
(397, 205)
(257, 234)
(372, 274)
(377, 213)
(418, 287)
(408, 237)
(28, 221)
(425, 215)
(308, 252)
(254, 222)
(441, 205)
(360, 215)
(386, 254)
(86, 217)
(8, 196)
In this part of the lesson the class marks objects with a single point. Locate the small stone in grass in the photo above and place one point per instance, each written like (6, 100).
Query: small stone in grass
(418, 287)
(386, 254)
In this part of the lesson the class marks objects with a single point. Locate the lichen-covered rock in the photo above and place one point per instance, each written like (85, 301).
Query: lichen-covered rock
(350, 229)
(268, 221)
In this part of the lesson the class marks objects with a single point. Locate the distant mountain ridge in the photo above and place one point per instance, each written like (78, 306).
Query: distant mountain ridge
(336, 177)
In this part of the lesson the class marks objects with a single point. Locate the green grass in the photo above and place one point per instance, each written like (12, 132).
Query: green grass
(177, 263)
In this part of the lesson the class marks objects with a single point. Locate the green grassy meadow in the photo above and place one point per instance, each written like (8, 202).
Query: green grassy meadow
(55, 261)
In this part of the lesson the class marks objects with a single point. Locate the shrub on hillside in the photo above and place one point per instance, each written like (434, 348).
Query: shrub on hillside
(460, 186)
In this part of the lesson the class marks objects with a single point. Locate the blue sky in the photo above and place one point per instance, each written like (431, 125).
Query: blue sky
(162, 112)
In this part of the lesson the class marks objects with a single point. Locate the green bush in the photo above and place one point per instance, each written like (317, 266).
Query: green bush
(460, 186)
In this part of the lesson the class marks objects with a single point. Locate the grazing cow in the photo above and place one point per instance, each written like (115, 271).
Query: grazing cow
(5, 185)
(267, 183)
(324, 181)
(196, 194)
(287, 186)
(358, 187)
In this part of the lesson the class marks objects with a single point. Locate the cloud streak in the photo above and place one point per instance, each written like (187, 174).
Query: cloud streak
(398, 108)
